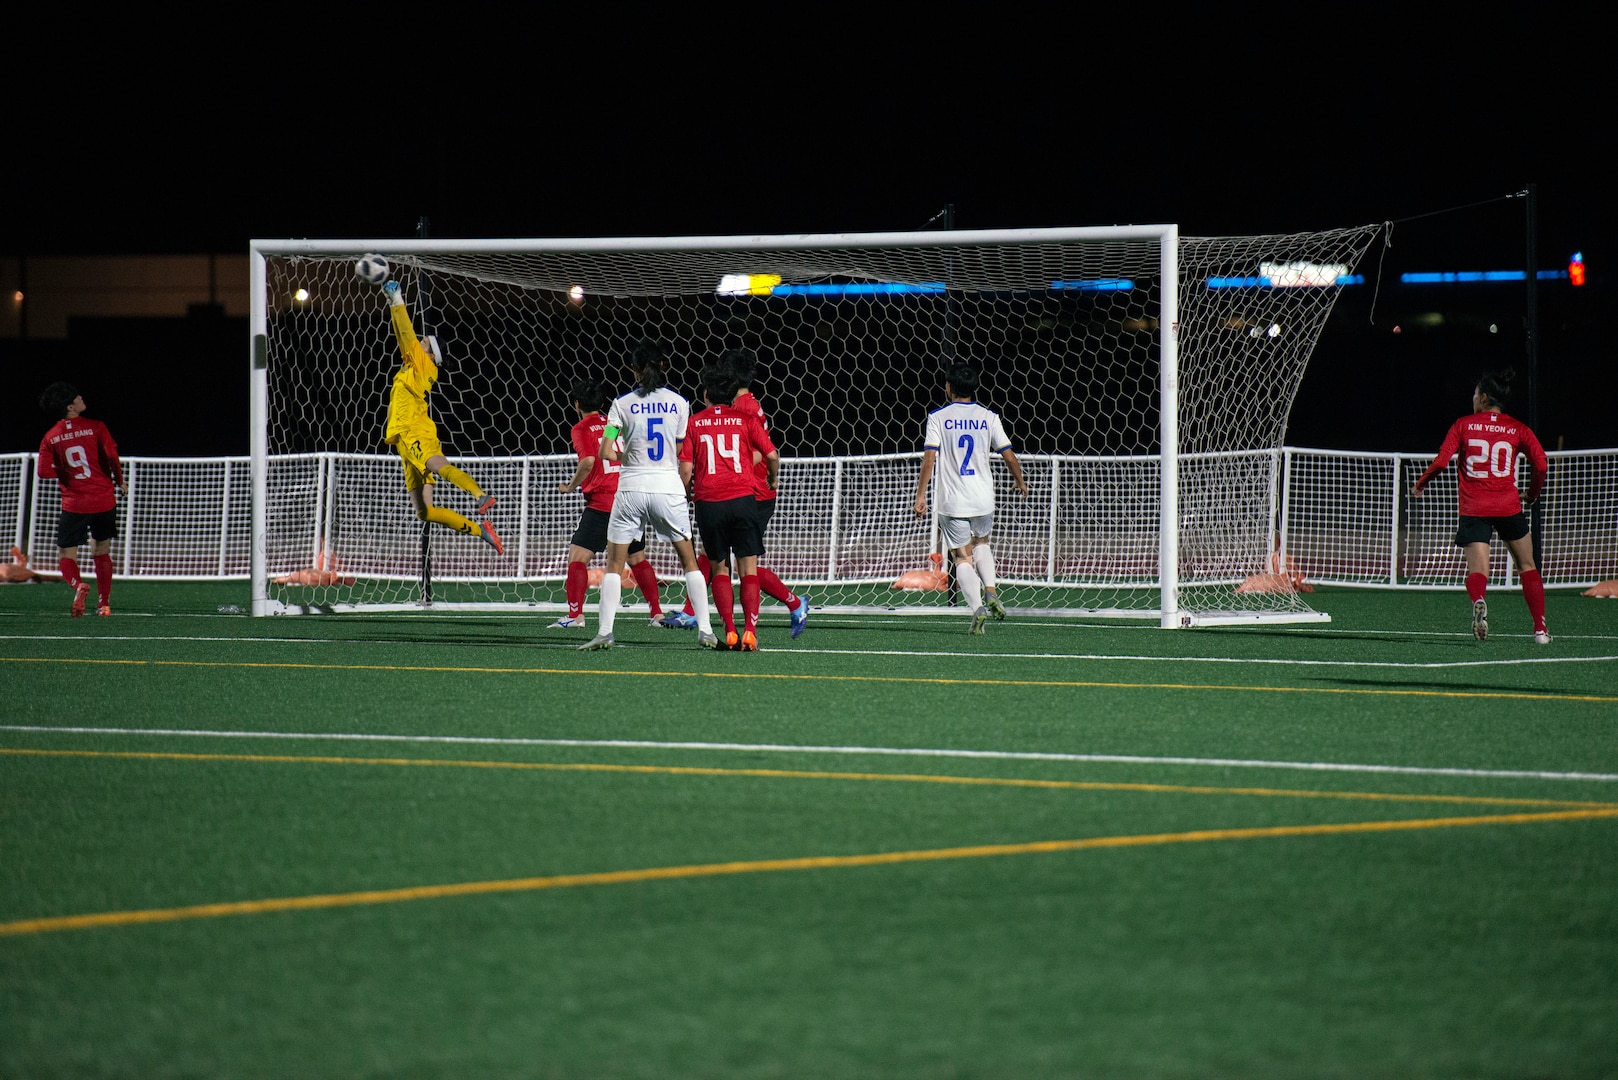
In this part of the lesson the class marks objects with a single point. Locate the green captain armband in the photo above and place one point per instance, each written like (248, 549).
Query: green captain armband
(610, 434)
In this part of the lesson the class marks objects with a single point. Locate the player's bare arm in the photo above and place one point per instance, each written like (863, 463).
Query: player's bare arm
(772, 468)
(927, 461)
(609, 444)
(1016, 471)
(579, 474)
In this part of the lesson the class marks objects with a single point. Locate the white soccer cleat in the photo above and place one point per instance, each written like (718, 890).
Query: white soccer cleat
(1542, 637)
(979, 617)
(568, 622)
(1480, 620)
(706, 640)
(600, 641)
(991, 600)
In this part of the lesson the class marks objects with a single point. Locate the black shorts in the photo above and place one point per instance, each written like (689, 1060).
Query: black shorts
(1477, 530)
(71, 528)
(731, 527)
(591, 535)
(766, 510)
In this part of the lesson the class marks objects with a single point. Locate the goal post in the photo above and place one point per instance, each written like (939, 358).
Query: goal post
(1144, 379)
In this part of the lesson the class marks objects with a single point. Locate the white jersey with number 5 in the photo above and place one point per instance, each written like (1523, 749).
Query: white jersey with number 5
(967, 437)
(651, 428)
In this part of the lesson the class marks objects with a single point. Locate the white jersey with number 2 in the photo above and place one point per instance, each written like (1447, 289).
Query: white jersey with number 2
(967, 437)
(651, 428)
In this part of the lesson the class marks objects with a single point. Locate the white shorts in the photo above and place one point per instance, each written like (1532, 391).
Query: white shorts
(634, 511)
(958, 532)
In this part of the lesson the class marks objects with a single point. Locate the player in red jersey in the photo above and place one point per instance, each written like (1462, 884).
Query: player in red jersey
(598, 480)
(745, 366)
(1487, 443)
(80, 454)
(716, 462)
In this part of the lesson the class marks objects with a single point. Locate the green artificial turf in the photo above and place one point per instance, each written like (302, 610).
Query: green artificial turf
(938, 940)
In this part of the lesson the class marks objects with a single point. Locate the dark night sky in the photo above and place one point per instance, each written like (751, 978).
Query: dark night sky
(141, 136)
(819, 118)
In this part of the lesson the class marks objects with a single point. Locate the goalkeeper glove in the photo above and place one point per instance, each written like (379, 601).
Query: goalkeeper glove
(394, 295)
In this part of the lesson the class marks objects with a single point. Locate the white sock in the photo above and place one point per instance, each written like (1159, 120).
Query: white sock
(612, 590)
(983, 560)
(967, 579)
(696, 590)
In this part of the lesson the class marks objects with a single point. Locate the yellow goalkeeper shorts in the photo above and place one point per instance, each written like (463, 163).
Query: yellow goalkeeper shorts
(418, 446)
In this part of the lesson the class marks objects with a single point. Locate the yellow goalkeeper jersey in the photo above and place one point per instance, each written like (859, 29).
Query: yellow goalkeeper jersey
(407, 404)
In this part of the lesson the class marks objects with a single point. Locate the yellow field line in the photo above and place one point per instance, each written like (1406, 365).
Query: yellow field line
(701, 870)
(1053, 683)
(809, 774)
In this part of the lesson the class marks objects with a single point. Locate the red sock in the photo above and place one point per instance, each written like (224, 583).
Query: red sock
(70, 571)
(1476, 586)
(1533, 591)
(707, 575)
(750, 602)
(646, 578)
(104, 580)
(774, 588)
(725, 600)
(578, 581)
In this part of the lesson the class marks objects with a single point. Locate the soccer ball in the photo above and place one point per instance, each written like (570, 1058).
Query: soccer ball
(373, 268)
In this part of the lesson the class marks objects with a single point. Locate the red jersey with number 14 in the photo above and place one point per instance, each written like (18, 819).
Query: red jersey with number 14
(1488, 444)
(601, 485)
(719, 443)
(82, 457)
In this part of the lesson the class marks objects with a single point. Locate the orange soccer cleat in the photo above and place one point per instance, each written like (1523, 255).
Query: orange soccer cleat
(81, 593)
(749, 641)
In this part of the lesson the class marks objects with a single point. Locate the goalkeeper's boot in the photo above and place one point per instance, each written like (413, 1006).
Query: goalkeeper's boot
(600, 641)
(492, 538)
(485, 505)
(979, 617)
(106, 609)
(569, 622)
(733, 641)
(1480, 620)
(679, 620)
(81, 593)
(991, 600)
(749, 641)
(800, 616)
(1542, 637)
(706, 640)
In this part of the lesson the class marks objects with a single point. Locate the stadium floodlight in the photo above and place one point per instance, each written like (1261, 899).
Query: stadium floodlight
(1149, 421)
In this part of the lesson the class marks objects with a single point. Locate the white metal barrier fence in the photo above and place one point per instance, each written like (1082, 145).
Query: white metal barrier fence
(1343, 517)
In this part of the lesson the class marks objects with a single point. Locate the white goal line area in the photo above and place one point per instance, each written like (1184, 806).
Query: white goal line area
(920, 654)
(814, 750)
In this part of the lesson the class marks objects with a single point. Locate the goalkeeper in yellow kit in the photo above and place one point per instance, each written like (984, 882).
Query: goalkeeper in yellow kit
(413, 433)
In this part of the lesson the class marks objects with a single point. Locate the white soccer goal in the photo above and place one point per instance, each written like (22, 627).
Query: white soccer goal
(1145, 378)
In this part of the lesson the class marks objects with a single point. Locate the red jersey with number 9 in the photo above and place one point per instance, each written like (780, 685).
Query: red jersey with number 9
(1487, 444)
(82, 457)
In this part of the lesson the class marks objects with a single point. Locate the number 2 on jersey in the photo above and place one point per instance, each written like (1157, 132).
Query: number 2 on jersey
(966, 458)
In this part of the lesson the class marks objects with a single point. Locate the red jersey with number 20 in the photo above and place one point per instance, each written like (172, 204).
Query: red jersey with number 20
(601, 485)
(1488, 444)
(82, 457)
(719, 443)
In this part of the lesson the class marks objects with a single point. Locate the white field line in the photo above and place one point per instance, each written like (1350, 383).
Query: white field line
(918, 653)
(776, 748)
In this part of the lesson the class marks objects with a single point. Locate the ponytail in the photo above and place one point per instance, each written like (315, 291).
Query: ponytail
(647, 363)
(1496, 385)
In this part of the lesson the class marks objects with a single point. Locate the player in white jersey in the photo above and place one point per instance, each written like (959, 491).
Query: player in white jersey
(644, 430)
(962, 438)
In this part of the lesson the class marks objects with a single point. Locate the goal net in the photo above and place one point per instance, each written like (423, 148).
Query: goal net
(1143, 377)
